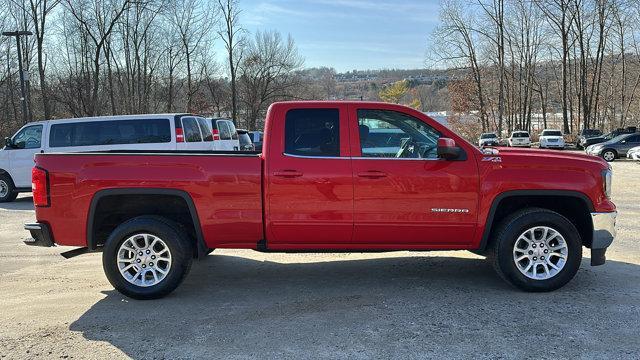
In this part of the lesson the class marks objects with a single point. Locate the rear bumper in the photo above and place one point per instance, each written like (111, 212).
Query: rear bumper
(552, 145)
(604, 231)
(40, 235)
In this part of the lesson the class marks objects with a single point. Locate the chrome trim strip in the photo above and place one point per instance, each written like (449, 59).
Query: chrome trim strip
(356, 158)
(383, 158)
(316, 157)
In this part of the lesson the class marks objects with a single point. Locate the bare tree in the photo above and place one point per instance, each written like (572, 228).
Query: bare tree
(455, 42)
(268, 73)
(97, 19)
(192, 20)
(232, 35)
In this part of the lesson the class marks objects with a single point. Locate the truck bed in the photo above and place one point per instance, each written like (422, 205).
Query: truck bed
(225, 189)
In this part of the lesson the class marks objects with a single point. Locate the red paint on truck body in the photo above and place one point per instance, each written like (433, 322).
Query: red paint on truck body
(342, 203)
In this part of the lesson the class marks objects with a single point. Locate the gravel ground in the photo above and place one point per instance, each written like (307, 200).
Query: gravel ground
(244, 304)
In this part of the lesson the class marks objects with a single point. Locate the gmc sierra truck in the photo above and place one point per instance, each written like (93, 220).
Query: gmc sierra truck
(322, 183)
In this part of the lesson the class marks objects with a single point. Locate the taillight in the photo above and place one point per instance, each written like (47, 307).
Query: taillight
(179, 135)
(40, 186)
(216, 134)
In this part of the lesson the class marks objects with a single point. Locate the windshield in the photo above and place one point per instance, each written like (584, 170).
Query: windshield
(488, 136)
(551, 133)
(520, 135)
(618, 138)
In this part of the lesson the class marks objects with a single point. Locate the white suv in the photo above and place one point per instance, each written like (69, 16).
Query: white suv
(520, 138)
(551, 139)
(159, 132)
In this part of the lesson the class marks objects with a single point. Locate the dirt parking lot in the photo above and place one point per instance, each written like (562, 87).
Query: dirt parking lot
(244, 304)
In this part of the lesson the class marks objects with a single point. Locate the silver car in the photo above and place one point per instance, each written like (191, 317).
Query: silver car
(634, 153)
(616, 147)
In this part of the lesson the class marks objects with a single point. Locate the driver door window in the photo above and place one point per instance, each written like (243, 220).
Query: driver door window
(390, 134)
(29, 138)
(26, 143)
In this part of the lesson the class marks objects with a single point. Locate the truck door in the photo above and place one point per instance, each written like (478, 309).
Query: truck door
(28, 142)
(309, 183)
(404, 195)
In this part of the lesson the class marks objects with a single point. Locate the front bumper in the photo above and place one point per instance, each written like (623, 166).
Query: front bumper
(40, 235)
(604, 231)
(634, 155)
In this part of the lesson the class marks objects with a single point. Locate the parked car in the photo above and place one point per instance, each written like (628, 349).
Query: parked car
(225, 135)
(616, 147)
(125, 132)
(551, 139)
(488, 139)
(634, 153)
(245, 141)
(519, 139)
(315, 189)
(585, 134)
(607, 137)
(256, 139)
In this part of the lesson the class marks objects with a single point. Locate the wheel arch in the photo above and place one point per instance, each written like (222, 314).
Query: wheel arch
(5, 172)
(100, 198)
(577, 207)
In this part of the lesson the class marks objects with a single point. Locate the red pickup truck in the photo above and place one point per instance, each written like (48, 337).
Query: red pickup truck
(333, 176)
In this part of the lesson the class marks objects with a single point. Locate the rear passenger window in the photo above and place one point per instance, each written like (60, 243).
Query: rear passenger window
(312, 132)
(232, 130)
(191, 130)
(223, 129)
(114, 132)
(205, 129)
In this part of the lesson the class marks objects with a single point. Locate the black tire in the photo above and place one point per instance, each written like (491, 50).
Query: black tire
(512, 227)
(179, 245)
(11, 194)
(612, 152)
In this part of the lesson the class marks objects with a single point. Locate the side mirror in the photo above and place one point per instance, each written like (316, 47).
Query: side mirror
(448, 150)
(8, 143)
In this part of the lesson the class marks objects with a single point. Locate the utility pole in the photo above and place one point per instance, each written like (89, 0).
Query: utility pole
(23, 76)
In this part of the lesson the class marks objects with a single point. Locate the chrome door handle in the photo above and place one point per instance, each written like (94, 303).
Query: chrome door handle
(372, 174)
(288, 173)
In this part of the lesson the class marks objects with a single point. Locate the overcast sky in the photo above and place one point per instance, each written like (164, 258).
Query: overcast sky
(349, 34)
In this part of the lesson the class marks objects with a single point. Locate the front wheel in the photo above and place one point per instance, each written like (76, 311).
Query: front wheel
(537, 250)
(147, 257)
(609, 155)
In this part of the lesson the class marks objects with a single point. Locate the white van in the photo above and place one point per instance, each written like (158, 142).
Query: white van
(225, 135)
(126, 132)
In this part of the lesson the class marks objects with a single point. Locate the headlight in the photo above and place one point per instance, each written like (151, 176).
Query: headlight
(606, 182)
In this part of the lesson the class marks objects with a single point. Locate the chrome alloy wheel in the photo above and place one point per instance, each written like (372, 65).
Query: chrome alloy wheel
(540, 253)
(144, 260)
(4, 189)
(609, 155)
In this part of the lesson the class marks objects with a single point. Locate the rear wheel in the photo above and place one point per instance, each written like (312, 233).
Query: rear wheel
(537, 250)
(609, 155)
(147, 257)
(7, 189)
